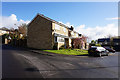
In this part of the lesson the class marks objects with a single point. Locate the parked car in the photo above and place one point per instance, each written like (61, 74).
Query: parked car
(97, 51)
(110, 49)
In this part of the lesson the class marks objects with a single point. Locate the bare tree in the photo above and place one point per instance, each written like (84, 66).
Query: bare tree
(109, 36)
(12, 29)
(23, 29)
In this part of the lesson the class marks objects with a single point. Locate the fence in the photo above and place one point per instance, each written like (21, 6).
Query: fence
(18, 43)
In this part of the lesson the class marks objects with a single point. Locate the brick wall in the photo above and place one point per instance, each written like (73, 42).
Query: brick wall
(40, 33)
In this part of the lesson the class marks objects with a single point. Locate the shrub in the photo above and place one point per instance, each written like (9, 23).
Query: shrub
(98, 45)
(62, 47)
(92, 44)
(54, 47)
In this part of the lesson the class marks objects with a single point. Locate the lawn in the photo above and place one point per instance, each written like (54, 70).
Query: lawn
(69, 51)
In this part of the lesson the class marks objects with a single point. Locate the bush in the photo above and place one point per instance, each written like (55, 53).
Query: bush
(54, 47)
(62, 47)
(98, 45)
(91, 44)
(95, 45)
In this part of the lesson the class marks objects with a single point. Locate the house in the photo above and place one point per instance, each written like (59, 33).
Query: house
(116, 43)
(46, 33)
(3, 31)
(110, 42)
(104, 41)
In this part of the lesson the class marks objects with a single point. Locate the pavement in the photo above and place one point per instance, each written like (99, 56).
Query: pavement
(22, 63)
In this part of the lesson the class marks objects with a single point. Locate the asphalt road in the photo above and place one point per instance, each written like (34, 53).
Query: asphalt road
(21, 63)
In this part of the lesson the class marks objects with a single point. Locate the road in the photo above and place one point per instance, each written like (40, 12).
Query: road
(21, 63)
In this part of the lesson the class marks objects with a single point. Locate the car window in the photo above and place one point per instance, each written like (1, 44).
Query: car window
(93, 49)
(108, 48)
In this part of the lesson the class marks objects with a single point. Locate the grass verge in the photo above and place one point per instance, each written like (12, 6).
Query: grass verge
(69, 51)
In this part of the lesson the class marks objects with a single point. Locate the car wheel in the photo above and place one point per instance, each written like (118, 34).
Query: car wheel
(100, 55)
(89, 54)
(106, 54)
(113, 52)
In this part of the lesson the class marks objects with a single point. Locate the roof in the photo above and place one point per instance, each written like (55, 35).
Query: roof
(59, 35)
(103, 38)
(55, 21)
(4, 29)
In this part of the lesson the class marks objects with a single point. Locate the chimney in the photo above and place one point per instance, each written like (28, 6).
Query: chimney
(80, 34)
(72, 28)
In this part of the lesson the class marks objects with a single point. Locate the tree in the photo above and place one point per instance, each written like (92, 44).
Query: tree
(79, 42)
(12, 29)
(23, 29)
(109, 36)
(94, 43)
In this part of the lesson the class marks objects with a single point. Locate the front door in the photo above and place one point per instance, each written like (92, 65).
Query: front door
(66, 42)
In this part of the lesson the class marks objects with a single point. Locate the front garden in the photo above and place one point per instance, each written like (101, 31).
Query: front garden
(69, 51)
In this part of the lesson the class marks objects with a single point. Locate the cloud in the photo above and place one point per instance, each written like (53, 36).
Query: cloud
(114, 18)
(98, 32)
(82, 26)
(11, 21)
(94, 33)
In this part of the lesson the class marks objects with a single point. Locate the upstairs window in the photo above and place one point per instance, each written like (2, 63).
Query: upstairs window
(64, 29)
(72, 33)
(57, 27)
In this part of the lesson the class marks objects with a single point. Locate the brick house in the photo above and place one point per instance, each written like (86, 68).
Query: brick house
(110, 42)
(45, 33)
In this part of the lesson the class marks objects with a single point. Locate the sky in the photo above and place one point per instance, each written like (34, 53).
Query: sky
(92, 19)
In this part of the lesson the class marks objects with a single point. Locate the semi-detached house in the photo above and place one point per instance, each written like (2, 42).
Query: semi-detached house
(46, 33)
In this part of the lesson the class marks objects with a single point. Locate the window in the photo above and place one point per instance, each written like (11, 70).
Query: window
(100, 43)
(72, 33)
(117, 43)
(77, 35)
(64, 29)
(60, 39)
(57, 27)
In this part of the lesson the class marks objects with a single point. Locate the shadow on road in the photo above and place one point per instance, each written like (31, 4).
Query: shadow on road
(31, 69)
(83, 55)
